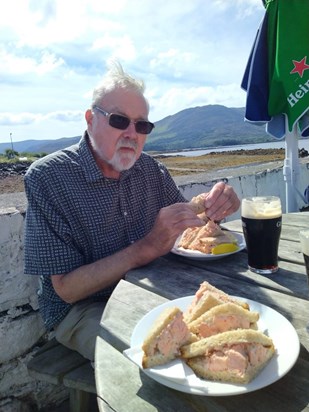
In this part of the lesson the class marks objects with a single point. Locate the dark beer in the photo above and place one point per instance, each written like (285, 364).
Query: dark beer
(261, 221)
(304, 245)
(306, 259)
(262, 239)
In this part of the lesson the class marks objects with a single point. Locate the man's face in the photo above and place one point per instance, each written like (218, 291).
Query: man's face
(114, 149)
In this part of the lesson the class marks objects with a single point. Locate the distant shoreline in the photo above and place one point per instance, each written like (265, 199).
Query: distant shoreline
(276, 144)
(236, 152)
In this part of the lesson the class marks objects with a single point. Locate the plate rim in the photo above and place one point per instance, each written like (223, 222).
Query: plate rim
(212, 388)
(196, 254)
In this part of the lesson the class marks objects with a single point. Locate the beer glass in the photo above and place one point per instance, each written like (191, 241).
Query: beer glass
(304, 247)
(261, 222)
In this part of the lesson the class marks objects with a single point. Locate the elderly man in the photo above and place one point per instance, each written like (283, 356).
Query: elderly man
(100, 208)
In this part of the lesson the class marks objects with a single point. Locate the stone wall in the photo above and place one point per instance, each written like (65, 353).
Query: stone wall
(262, 180)
(21, 329)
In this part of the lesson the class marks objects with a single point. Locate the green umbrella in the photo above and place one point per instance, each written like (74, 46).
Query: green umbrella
(277, 81)
(288, 58)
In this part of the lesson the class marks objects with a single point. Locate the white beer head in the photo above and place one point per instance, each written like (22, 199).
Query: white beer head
(261, 207)
(304, 241)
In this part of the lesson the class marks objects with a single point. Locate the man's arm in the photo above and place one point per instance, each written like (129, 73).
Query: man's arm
(88, 279)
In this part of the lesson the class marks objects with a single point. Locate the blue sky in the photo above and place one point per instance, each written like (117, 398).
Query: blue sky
(53, 52)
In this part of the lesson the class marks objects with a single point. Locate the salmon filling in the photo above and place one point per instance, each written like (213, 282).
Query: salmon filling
(205, 238)
(237, 358)
(222, 323)
(171, 338)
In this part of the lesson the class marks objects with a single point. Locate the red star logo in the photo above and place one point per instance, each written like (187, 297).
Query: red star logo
(300, 67)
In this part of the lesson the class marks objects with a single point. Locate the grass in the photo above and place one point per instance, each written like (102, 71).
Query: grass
(183, 165)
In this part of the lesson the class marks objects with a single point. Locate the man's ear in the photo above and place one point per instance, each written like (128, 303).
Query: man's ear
(89, 116)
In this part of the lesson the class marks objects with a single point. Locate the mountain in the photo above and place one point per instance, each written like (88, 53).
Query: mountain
(198, 127)
(40, 146)
(204, 127)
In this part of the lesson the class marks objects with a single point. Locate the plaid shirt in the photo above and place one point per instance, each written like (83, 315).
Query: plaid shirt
(76, 216)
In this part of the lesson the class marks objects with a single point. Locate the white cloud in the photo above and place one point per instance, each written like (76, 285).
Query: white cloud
(15, 64)
(65, 116)
(118, 47)
(182, 98)
(10, 119)
(53, 52)
(30, 118)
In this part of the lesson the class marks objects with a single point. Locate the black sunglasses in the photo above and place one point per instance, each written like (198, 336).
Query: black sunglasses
(122, 122)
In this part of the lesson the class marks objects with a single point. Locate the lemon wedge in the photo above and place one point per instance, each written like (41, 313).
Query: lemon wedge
(224, 248)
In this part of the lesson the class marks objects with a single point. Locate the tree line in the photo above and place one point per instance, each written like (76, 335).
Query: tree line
(10, 154)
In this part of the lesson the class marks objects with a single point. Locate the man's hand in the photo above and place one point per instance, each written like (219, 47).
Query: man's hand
(221, 201)
(169, 224)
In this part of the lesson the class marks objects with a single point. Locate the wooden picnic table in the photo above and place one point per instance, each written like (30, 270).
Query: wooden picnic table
(123, 387)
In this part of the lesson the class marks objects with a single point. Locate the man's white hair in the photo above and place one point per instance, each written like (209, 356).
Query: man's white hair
(116, 78)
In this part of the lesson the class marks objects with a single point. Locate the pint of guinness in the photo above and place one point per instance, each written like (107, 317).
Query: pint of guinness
(304, 244)
(261, 221)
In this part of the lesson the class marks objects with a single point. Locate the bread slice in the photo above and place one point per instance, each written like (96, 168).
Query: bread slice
(234, 356)
(206, 298)
(168, 333)
(197, 203)
(224, 317)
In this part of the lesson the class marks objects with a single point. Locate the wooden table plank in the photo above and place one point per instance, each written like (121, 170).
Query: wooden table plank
(288, 256)
(58, 361)
(120, 315)
(299, 219)
(291, 279)
(81, 378)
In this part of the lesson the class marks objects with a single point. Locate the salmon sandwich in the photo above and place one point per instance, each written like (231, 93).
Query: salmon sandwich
(236, 356)
(168, 333)
(222, 318)
(206, 297)
(205, 238)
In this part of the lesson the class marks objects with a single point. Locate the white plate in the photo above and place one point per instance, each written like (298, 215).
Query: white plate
(197, 255)
(179, 376)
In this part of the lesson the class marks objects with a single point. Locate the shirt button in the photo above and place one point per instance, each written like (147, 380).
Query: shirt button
(132, 241)
(125, 213)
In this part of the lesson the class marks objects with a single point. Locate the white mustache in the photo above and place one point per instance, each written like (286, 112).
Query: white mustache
(127, 143)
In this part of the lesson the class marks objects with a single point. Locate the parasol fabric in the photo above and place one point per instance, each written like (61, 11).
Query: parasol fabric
(288, 54)
(276, 79)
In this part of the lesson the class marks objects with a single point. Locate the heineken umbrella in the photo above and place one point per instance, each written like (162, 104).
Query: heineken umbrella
(277, 82)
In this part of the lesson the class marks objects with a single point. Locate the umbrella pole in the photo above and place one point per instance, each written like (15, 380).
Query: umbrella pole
(291, 169)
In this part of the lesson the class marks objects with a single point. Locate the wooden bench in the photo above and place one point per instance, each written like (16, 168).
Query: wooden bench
(56, 364)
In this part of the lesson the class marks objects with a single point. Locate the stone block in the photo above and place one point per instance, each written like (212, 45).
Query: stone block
(21, 393)
(16, 289)
(19, 334)
(15, 378)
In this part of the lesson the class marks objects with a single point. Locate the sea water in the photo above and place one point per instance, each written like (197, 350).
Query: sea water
(302, 144)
